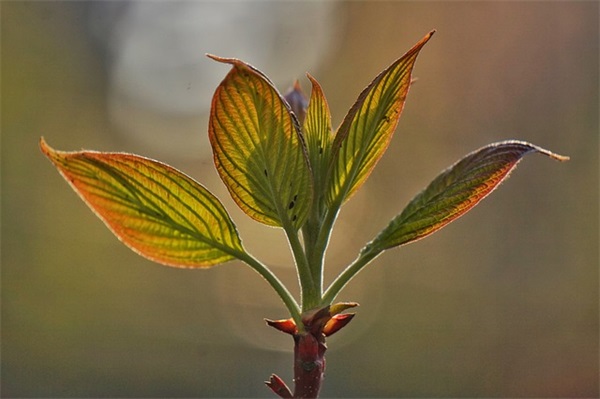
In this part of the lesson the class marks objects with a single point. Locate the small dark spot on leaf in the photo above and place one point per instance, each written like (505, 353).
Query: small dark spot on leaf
(291, 205)
(294, 218)
(320, 150)
(295, 197)
(266, 174)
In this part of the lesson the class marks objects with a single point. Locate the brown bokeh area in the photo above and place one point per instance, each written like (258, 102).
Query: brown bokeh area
(501, 303)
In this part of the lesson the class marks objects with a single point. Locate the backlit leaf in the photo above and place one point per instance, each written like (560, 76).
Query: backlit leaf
(258, 149)
(156, 210)
(317, 131)
(454, 192)
(367, 129)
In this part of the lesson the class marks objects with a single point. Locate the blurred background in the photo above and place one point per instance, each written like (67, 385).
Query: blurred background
(502, 303)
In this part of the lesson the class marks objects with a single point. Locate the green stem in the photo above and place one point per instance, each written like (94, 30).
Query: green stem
(316, 233)
(321, 243)
(274, 282)
(348, 274)
(310, 296)
(310, 232)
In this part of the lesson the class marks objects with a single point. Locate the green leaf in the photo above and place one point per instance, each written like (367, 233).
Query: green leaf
(154, 209)
(317, 131)
(258, 149)
(367, 129)
(454, 192)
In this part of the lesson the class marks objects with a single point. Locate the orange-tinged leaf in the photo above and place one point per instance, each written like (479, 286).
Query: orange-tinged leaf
(258, 149)
(367, 129)
(154, 209)
(454, 192)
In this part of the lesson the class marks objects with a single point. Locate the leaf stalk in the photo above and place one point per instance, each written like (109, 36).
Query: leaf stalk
(348, 274)
(275, 283)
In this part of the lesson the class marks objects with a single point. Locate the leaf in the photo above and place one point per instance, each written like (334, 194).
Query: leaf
(258, 149)
(367, 129)
(454, 192)
(317, 131)
(154, 209)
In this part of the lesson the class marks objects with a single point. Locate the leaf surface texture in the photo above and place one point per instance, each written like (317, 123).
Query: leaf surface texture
(258, 149)
(156, 210)
(455, 192)
(367, 129)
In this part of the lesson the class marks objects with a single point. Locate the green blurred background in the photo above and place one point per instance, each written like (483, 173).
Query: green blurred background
(502, 303)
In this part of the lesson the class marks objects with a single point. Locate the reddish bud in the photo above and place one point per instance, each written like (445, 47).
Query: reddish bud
(285, 325)
(336, 323)
(340, 307)
(315, 319)
(278, 386)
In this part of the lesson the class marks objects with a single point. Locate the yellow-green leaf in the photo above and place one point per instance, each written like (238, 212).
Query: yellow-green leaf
(258, 148)
(317, 131)
(367, 129)
(454, 192)
(154, 209)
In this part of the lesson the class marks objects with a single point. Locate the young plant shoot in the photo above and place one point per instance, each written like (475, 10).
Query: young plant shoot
(284, 167)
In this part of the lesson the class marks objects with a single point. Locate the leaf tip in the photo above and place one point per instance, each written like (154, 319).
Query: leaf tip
(48, 151)
(213, 57)
(558, 157)
(426, 37)
(224, 60)
(43, 145)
